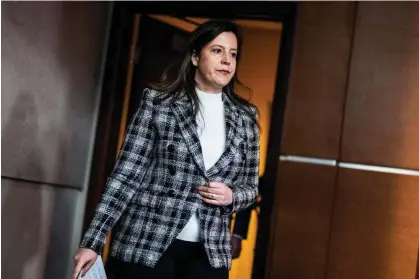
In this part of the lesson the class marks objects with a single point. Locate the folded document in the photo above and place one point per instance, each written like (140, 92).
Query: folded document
(97, 271)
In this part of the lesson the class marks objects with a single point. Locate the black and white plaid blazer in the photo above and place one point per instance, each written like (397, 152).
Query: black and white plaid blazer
(152, 187)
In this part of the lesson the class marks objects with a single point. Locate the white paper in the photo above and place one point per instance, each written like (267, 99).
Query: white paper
(97, 271)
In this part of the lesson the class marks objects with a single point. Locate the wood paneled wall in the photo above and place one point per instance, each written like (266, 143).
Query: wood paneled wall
(318, 80)
(353, 99)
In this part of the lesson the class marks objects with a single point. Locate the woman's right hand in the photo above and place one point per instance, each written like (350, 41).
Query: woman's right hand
(84, 259)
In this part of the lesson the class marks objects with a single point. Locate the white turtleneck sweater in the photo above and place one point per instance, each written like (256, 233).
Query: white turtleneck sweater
(212, 137)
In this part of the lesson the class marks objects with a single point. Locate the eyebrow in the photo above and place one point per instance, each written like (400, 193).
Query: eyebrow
(224, 47)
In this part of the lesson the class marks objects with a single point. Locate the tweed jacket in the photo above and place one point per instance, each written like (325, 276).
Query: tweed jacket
(152, 189)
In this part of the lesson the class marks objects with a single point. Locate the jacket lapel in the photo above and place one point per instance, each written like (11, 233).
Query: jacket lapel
(232, 124)
(183, 111)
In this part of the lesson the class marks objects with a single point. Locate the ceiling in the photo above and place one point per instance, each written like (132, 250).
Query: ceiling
(189, 23)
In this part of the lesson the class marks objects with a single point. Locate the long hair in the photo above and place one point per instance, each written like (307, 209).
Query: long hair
(184, 80)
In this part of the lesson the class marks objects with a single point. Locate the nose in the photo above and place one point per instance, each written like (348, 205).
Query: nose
(226, 60)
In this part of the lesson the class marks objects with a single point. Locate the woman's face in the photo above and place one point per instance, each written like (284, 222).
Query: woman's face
(216, 64)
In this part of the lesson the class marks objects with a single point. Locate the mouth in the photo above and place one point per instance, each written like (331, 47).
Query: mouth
(224, 72)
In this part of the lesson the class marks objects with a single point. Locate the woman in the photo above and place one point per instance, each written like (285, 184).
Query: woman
(190, 159)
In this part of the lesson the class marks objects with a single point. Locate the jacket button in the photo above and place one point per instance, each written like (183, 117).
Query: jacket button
(172, 170)
(171, 193)
(171, 148)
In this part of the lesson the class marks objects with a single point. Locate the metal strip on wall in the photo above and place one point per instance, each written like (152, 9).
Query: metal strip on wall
(347, 165)
(378, 169)
(308, 160)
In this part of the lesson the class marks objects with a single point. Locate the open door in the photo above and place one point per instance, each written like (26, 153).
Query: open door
(142, 46)
(159, 41)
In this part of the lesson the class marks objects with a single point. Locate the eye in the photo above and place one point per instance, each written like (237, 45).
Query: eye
(234, 55)
(217, 50)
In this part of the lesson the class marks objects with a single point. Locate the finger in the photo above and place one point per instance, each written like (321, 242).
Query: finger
(203, 189)
(217, 191)
(216, 185)
(210, 201)
(211, 196)
(83, 271)
(77, 269)
(87, 267)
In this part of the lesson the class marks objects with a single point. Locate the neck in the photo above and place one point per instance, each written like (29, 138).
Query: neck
(206, 87)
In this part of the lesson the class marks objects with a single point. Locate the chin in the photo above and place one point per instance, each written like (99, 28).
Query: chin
(223, 84)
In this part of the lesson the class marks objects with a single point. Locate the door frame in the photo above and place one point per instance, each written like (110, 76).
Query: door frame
(112, 96)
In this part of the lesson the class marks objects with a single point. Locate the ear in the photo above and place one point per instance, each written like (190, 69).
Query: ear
(195, 60)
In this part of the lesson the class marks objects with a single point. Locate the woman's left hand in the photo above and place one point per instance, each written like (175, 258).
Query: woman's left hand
(216, 193)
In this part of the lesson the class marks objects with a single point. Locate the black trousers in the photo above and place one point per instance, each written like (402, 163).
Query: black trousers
(182, 260)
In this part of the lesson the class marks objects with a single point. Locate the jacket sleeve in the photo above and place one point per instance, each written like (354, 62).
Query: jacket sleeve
(246, 188)
(132, 163)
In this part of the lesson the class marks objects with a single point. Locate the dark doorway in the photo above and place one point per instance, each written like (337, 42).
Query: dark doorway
(151, 59)
(159, 45)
